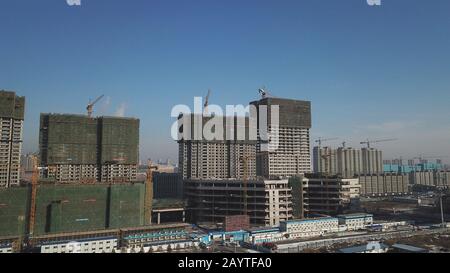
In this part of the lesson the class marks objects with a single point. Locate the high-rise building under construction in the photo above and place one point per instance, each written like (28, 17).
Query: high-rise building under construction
(286, 151)
(218, 158)
(219, 175)
(12, 112)
(80, 149)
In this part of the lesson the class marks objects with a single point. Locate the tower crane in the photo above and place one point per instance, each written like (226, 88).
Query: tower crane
(207, 101)
(90, 106)
(320, 140)
(149, 193)
(264, 93)
(368, 142)
(34, 185)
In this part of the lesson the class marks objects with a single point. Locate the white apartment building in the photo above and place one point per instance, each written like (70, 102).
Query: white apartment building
(354, 222)
(98, 245)
(310, 227)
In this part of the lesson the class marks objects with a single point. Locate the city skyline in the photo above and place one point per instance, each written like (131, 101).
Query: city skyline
(61, 56)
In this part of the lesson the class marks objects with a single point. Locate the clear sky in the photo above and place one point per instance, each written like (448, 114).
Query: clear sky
(370, 72)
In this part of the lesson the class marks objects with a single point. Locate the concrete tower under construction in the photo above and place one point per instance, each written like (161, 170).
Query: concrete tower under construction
(286, 152)
(12, 112)
(80, 149)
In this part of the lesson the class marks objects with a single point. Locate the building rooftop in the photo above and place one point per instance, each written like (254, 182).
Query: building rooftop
(409, 248)
(86, 116)
(328, 218)
(354, 215)
(263, 230)
(361, 248)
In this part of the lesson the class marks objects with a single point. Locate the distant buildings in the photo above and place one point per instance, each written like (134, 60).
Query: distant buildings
(79, 149)
(372, 161)
(325, 160)
(430, 178)
(384, 184)
(27, 161)
(347, 162)
(12, 112)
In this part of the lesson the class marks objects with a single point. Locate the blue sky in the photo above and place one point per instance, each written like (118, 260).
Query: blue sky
(377, 72)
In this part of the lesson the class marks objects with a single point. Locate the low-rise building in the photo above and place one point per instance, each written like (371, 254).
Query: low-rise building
(6, 247)
(91, 245)
(310, 227)
(373, 247)
(387, 226)
(265, 235)
(356, 221)
(155, 236)
(401, 248)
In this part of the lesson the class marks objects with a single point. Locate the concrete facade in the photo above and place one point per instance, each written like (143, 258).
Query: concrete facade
(372, 161)
(357, 221)
(323, 195)
(98, 245)
(384, 184)
(269, 202)
(289, 153)
(310, 227)
(12, 111)
(325, 160)
(347, 162)
(215, 159)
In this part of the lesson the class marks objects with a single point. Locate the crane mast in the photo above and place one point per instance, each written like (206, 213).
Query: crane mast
(34, 185)
(149, 193)
(320, 140)
(90, 106)
(368, 142)
(207, 101)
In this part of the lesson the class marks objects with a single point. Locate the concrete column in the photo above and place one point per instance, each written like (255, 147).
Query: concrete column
(159, 218)
(184, 216)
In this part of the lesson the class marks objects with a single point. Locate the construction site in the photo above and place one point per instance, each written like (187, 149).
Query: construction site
(84, 183)
(266, 202)
(81, 149)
